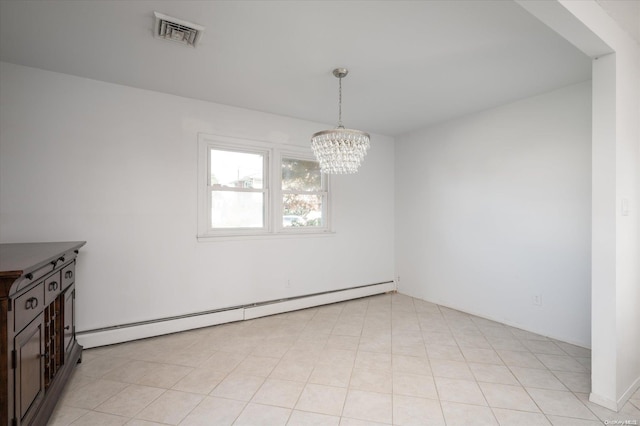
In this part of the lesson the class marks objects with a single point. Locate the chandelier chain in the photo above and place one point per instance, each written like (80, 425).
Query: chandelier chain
(340, 103)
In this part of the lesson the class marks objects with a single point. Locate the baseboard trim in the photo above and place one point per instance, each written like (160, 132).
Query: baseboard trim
(316, 300)
(604, 402)
(125, 333)
(616, 405)
(158, 327)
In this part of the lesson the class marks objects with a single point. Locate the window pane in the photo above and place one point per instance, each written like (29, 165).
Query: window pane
(301, 175)
(302, 210)
(231, 209)
(236, 169)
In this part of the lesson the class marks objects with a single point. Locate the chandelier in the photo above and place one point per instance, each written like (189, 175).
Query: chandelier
(340, 150)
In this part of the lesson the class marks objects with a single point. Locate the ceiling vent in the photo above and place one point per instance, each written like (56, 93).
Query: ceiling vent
(174, 29)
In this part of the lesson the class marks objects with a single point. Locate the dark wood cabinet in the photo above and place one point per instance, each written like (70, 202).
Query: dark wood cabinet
(38, 348)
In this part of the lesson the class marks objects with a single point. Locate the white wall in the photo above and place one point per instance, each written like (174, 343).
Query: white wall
(495, 208)
(616, 276)
(628, 226)
(116, 166)
(616, 177)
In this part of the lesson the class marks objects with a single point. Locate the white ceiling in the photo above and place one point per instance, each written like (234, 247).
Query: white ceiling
(412, 63)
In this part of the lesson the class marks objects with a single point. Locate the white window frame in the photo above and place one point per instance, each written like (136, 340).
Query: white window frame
(273, 204)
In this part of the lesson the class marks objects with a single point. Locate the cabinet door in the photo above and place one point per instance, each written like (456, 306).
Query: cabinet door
(29, 372)
(69, 320)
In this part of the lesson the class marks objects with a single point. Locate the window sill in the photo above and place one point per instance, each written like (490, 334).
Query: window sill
(265, 236)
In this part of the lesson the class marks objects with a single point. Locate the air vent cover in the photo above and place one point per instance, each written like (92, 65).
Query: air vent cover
(174, 29)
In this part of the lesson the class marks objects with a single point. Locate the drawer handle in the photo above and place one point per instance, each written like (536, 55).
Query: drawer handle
(53, 286)
(55, 262)
(68, 274)
(31, 303)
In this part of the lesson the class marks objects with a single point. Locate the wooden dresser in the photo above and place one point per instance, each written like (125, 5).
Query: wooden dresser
(38, 347)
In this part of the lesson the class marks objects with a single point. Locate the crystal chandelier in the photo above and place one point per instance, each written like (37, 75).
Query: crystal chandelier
(340, 151)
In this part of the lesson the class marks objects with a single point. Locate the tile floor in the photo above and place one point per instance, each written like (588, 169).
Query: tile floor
(381, 360)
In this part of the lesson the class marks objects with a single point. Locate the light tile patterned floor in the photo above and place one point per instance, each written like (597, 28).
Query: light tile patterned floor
(388, 359)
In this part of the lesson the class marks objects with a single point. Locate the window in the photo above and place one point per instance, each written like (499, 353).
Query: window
(304, 194)
(238, 189)
(252, 188)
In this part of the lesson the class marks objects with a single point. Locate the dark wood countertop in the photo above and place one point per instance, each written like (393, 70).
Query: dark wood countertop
(20, 259)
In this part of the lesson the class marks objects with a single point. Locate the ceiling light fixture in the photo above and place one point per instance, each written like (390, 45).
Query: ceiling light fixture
(340, 150)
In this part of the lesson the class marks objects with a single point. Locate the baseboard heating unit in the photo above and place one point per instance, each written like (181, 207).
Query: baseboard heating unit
(140, 330)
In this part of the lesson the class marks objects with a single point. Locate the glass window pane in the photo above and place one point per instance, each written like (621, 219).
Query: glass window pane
(301, 175)
(302, 210)
(231, 209)
(236, 169)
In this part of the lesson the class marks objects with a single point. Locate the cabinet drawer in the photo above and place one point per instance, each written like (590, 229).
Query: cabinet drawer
(28, 306)
(52, 287)
(68, 275)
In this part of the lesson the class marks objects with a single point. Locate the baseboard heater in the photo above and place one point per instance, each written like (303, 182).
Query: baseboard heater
(140, 330)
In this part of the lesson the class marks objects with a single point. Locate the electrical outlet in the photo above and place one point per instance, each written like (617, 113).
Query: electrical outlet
(537, 299)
